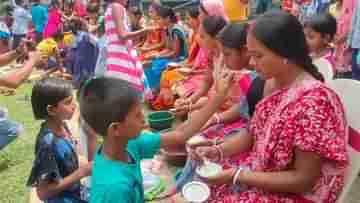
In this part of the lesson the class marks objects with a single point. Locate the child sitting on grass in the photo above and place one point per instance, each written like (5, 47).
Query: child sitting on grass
(56, 171)
(112, 107)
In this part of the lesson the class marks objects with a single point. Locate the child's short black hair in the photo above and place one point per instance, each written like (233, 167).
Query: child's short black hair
(92, 8)
(106, 100)
(49, 91)
(323, 23)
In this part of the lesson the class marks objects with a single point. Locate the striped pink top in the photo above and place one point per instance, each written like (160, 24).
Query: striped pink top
(122, 61)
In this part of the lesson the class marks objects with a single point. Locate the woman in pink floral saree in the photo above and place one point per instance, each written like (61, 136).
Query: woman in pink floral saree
(297, 136)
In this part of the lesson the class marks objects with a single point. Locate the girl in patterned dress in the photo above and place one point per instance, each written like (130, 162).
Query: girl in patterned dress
(297, 136)
(56, 170)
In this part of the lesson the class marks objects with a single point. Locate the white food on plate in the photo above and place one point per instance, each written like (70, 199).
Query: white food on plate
(196, 192)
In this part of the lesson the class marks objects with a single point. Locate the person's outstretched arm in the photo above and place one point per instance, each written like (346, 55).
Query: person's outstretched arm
(199, 118)
(14, 80)
(6, 58)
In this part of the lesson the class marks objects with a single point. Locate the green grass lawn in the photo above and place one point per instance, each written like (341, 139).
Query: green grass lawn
(16, 159)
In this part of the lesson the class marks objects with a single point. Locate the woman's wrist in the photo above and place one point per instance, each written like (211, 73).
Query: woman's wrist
(239, 177)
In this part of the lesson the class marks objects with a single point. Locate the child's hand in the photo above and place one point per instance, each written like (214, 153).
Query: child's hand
(205, 152)
(182, 105)
(85, 168)
(223, 83)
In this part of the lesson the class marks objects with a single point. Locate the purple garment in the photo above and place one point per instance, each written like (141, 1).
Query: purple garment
(81, 58)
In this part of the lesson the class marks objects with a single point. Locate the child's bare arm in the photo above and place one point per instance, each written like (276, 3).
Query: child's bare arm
(7, 57)
(232, 114)
(199, 118)
(14, 80)
(48, 190)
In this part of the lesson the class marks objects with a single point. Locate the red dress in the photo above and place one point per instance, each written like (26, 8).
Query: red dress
(309, 117)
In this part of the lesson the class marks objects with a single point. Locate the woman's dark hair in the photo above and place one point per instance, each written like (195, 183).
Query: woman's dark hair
(234, 35)
(49, 91)
(166, 12)
(213, 25)
(194, 12)
(100, 99)
(92, 8)
(323, 23)
(282, 33)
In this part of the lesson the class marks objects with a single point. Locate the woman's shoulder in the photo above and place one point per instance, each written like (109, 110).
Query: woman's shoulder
(319, 88)
(320, 95)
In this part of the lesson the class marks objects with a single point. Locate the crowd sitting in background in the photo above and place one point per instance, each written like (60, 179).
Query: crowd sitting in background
(238, 73)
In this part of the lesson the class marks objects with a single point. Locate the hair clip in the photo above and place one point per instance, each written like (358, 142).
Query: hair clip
(86, 84)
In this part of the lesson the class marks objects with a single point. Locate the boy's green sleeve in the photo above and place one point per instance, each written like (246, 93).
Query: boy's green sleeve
(149, 145)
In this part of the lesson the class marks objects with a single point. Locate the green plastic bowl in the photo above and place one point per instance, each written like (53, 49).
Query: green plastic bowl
(160, 120)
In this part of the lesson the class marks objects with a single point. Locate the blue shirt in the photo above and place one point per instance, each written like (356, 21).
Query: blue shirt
(354, 35)
(120, 182)
(39, 14)
(55, 159)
